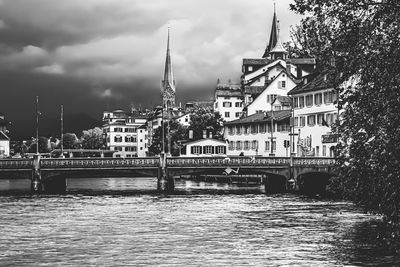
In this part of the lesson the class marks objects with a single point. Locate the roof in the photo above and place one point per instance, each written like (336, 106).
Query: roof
(301, 61)
(278, 48)
(315, 82)
(262, 117)
(204, 140)
(284, 99)
(228, 86)
(3, 136)
(256, 61)
(227, 92)
(254, 90)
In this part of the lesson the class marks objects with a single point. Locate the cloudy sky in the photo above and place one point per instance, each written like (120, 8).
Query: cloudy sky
(94, 55)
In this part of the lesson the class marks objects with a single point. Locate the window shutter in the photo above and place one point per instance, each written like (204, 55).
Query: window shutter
(192, 150)
(224, 149)
(200, 150)
(212, 150)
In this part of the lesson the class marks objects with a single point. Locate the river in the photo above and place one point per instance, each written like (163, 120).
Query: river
(125, 222)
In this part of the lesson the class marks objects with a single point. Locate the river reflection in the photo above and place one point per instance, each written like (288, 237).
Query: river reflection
(203, 224)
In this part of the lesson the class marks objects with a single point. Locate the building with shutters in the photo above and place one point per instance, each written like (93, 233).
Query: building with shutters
(252, 135)
(206, 147)
(126, 133)
(314, 113)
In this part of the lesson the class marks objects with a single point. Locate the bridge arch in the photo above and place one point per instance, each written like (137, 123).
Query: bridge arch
(313, 182)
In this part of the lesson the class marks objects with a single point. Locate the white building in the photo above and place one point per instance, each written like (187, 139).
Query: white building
(207, 147)
(125, 133)
(228, 101)
(251, 136)
(4, 139)
(314, 114)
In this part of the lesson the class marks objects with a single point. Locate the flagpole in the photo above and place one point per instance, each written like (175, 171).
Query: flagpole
(62, 131)
(37, 124)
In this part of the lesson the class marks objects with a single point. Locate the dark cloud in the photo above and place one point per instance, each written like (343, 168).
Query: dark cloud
(94, 55)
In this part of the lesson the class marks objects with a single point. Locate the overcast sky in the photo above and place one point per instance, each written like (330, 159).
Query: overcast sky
(93, 55)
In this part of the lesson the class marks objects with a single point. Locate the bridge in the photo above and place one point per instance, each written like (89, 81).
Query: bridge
(49, 175)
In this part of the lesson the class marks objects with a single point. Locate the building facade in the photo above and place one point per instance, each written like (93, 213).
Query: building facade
(314, 114)
(228, 101)
(126, 133)
(206, 147)
(261, 134)
(4, 139)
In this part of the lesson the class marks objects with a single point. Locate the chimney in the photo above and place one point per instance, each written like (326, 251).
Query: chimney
(190, 134)
(204, 134)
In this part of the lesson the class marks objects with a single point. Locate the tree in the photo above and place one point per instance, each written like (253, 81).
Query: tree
(44, 145)
(358, 42)
(178, 133)
(70, 141)
(92, 138)
(205, 119)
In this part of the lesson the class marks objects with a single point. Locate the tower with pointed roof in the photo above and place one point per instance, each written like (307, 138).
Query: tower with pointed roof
(168, 90)
(273, 38)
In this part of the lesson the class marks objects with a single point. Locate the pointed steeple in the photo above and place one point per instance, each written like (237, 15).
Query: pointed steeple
(273, 38)
(168, 83)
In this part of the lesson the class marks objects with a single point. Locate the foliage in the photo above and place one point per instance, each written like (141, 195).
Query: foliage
(205, 119)
(92, 138)
(177, 131)
(70, 141)
(44, 145)
(363, 39)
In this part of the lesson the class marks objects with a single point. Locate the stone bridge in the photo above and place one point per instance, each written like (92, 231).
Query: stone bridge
(49, 174)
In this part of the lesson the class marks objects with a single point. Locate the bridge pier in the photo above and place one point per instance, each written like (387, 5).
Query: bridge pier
(55, 185)
(36, 179)
(165, 182)
(275, 184)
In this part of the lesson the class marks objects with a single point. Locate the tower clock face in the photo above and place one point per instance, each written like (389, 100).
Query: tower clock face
(168, 93)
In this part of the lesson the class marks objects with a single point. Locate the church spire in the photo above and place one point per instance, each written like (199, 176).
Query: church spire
(273, 38)
(168, 83)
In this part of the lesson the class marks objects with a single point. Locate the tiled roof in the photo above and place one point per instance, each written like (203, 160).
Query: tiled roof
(283, 99)
(301, 61)
(223, 92)
(228, 86)
(262, 117)
(3, 136)
(256, 61)
(315, 82)
(254, 89)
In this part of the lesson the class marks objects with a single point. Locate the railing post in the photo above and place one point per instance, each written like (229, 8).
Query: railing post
(36, 179)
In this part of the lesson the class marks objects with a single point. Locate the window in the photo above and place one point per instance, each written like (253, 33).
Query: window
(268, 148)
(318, 99)
(302, 121)
(227, 115)
(230, 130)
(195, 150)
(296, 102)
(238, 145)
(309, 100)
(311, 120)
(283, 127)
(227, 104)
(324, 150)
(262, 128)
(237, 114)
(281, 84)
(271, 98)
(254, 145)
(238, 104)
(254, 129)
(227, 97)
(130, 130)
(208, 150)
(250, 68)
(320, 119)
(231, 145)
(317, 151)
(296, 121)
(246, 145)
(301, 102)
(220, 149)
(118, 129)
(246, 129)
(131, 148)
(329, 97)
(239, 129)
(118, 139)
(118, 148)
(127, 138)
(250, 99)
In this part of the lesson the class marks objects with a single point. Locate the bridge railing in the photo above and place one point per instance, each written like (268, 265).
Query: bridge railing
(92, 163)
(20, 164)
(314, 161)
(226, 161)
